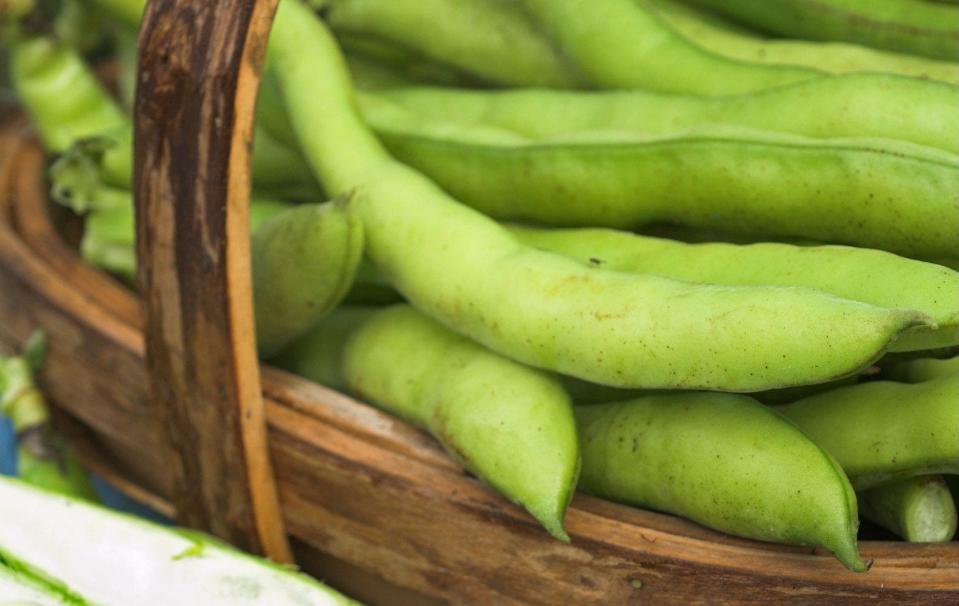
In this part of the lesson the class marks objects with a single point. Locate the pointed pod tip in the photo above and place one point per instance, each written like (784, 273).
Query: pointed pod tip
(850, 558)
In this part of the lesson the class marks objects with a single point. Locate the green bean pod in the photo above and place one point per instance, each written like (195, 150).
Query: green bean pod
(409, 65)
(318, 355)
(922, 369)
(544, 310)
(729, 40)
(128, 12)
(304, 262)
(874, 193)
(920, 509)
(858, 105)
(109, 231)
(724, 461)
(882, 431)
(908, 26)
(510, 425)
(107, 157)
(490, 39)
(63, 97)
(624, 44)
(870, 276)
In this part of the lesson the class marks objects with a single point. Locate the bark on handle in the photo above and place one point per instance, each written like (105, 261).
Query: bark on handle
(198, 73)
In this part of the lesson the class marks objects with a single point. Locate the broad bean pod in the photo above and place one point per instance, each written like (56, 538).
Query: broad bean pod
(109, 231)
(875, 193)
(277, 171)
(909, 26)
(304, 259)
(400, 61)
(128, 12)
(859, 105)
(922, 369)
(318, 355)
(491, 39)
(542, 309)
(727, 39)
(724, 461)
(304, 262)
(624, 44)
(510, 425)
(63, 97)
(920, 509)
(882, 431)
(870, 276)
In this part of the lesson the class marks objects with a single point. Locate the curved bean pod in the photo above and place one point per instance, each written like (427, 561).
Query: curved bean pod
(883, 194)
(44, 73)
(870, 276)
(491, 39)
(724, 461)
(541, 309)
(510, 425)
(304, 262)
(909, 26)
(624, 44)
(728, 40)
(859, 105)
(920, 510)
(883, 431)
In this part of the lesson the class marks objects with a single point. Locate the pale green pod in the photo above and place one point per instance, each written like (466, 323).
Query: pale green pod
(109, 232)
(510, 425)
(304, 262)
(920, 509)
(857, 105)
(491, 39)
(277, 171)
(624, 44)
(63, 97)
(729, 40)
(405, 65)
(882, 431)
(908, 26)
(870, 276)
(318, 355)
(875, 193)
(544, 310)
(724, 461)
(922, 369)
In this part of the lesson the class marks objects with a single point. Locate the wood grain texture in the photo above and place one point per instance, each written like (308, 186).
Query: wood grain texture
(199, 69)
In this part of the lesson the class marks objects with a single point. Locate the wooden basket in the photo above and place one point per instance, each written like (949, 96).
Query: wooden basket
(167, 401)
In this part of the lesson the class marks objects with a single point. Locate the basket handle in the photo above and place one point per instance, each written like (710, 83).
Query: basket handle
(198, 73)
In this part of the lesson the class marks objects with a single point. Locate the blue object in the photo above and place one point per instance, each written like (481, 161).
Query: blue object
(8, 448)
(109, 496)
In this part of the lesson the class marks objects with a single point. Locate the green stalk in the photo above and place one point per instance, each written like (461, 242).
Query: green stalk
(42, 458)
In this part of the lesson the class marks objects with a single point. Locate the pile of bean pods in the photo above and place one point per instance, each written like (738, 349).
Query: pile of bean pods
(699, 257)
